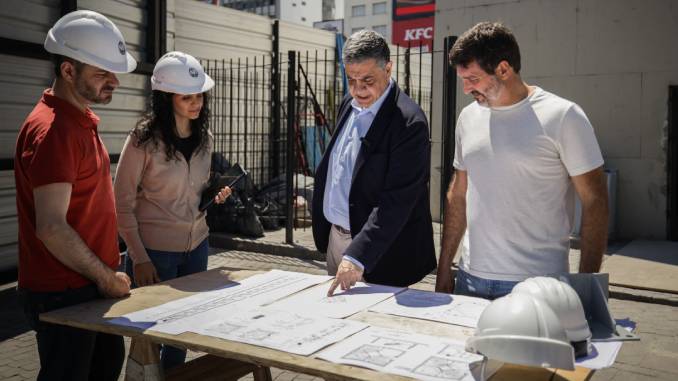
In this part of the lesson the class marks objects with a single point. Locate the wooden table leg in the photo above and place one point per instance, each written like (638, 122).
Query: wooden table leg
(143, 362)
(262, 373)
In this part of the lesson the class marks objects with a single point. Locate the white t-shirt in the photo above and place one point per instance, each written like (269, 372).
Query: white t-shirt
(520, 199)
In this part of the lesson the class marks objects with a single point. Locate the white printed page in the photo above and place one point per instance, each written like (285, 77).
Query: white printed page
(180, 315)
(445, 308)
(413, 355)
(283, 330)
(341, 304)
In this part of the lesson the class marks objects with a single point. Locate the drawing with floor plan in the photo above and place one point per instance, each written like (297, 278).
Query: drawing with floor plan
(445, 308)
(179, 315)
(282, 330)
(419, 356)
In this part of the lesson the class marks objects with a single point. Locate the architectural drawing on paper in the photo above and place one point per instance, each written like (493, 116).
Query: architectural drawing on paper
(451, 363)
(336, 299)
(381, 351)
(375, 355)
(257, 334)
(282, 330)
(442, 367)
(233, 297)
(422, 357)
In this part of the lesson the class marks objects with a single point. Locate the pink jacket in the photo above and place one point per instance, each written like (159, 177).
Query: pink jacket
(157, 200)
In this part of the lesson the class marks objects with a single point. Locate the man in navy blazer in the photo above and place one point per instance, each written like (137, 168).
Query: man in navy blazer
(371, 205)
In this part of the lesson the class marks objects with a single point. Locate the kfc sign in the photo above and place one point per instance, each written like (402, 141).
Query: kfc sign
(414, 32)
(413, 23)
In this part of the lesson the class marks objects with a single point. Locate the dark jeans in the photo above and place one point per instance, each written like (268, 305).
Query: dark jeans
(68, 353)
(170, 265)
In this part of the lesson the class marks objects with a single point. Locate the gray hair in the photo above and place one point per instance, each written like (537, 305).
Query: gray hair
(365, 44)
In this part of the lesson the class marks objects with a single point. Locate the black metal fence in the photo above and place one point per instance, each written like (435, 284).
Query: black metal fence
(275, 116)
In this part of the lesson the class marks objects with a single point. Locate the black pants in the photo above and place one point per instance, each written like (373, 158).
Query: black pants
(68, 353)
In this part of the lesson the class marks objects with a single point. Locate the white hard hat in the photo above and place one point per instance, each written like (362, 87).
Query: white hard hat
(180, 73)
(91, 38)
(521, 329)
(565, 302)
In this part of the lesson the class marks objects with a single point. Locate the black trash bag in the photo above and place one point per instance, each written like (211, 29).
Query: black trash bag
(248, 222)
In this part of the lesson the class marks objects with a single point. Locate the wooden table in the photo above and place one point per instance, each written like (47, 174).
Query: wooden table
(245, 358)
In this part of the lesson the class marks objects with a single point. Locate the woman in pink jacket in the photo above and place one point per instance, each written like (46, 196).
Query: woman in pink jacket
(164, 167)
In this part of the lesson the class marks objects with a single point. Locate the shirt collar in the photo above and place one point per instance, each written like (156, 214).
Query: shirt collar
(86, 119)
(374, 108)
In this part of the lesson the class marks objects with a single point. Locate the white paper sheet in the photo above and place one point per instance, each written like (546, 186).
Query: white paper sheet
(342, 304)
(282, 330)
(180, 315)
(446, 308)
(602, 356)
(418, 356)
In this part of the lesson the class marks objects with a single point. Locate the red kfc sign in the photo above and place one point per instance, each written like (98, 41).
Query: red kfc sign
(413, 23)
(414, 32)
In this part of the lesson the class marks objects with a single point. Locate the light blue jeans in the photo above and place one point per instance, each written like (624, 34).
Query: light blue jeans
(170, 265)
(469, 285)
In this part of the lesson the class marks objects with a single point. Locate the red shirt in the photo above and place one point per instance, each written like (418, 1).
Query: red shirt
(58, 143)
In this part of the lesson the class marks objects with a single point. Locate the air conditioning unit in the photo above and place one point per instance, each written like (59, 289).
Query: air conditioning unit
(611, 177)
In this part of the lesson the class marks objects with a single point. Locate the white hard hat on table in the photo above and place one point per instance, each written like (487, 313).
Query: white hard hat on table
(180, 73)
(521, 329)
(565, 302)
(91, 38)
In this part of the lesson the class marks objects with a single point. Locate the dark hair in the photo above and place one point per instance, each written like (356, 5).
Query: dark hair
(365, 44)
(58, 59)
(487, 43)
(158, 124)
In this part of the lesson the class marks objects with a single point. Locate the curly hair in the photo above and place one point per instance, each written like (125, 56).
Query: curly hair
(487, 43)
(158, 124)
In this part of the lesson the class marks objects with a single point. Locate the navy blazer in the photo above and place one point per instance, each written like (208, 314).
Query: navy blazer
(389, 208)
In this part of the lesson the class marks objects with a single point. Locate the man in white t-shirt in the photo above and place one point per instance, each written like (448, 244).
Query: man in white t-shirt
(521, 153)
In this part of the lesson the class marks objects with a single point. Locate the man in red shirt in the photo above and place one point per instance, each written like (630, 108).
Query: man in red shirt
(68, 249)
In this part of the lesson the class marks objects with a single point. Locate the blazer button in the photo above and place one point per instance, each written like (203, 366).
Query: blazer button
(351, 205)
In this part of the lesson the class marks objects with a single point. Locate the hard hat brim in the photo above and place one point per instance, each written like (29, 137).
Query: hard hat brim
(207, 85)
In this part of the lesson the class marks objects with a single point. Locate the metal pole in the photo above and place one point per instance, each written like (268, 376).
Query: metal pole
(291, 113)
(275, 103)
(449, 118)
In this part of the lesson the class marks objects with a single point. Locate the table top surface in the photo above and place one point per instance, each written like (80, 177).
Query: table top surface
(95, 315)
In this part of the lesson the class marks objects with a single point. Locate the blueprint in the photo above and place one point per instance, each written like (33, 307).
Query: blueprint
(179, 315)
(341, 304)
(418, 356)
(282, 330)
(445, 308)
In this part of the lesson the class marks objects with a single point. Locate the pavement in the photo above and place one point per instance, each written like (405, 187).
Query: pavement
(655, 357)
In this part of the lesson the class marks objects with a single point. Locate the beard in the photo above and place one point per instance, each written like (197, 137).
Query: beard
(92, 94)
(489, 95)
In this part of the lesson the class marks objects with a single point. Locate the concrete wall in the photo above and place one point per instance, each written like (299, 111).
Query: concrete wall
(614, 58)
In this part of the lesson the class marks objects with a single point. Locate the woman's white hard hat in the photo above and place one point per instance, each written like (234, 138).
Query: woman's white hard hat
(91, 38)
(180, 73)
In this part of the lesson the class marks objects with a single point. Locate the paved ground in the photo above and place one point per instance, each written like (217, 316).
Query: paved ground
(655, 357)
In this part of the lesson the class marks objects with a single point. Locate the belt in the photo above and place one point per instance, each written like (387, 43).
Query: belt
(341, 230)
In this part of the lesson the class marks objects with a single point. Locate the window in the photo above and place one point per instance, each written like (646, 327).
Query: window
(379, 8)
(381, 29)
(358, 10)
